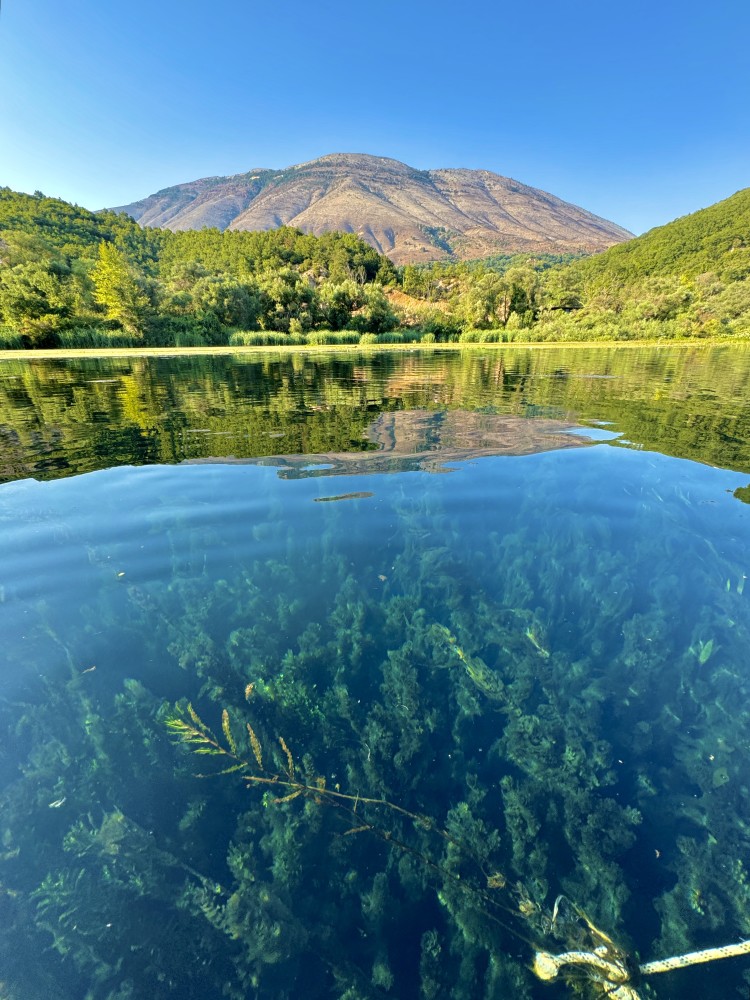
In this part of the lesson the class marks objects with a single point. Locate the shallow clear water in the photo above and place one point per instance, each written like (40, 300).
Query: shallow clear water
(506, 654)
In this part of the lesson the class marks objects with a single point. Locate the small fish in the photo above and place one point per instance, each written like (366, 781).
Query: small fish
(57, 803)
(88, 670)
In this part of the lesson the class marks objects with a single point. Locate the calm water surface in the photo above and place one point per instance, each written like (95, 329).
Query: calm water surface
(367, 676)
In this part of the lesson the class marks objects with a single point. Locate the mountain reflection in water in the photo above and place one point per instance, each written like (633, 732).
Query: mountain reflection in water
(68, 416)
(426, 440)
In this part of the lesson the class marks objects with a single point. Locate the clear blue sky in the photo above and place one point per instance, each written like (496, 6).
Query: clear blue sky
(638, 111)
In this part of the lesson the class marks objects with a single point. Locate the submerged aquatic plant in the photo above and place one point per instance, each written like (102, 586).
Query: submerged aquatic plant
(703, 650)
(481, 720)
(188, 728)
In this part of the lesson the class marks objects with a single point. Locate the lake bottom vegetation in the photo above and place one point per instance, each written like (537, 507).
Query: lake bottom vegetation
(70, 278)
(294, 763)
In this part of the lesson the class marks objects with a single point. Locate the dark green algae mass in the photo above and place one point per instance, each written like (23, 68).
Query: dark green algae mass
(490, 727)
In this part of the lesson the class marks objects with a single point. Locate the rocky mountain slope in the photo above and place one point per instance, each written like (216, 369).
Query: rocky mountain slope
(411, 215)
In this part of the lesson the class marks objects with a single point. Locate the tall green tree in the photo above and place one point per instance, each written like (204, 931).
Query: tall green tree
(486, 300)
(231, 302)
(337, 301)
(118, 289)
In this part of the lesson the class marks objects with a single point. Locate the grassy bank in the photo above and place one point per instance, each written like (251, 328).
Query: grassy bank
(115, 352)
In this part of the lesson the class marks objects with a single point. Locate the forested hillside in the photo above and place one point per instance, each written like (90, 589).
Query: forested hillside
(73, 278)
(69, 277)
(690, 278)
(714, 239)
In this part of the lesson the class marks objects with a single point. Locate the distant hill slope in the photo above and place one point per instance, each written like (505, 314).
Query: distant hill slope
(57, 226)
(411, 215)
(60, 224)
(713, 239)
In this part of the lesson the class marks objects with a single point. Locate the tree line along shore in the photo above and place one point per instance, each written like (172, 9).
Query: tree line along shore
(70, 278)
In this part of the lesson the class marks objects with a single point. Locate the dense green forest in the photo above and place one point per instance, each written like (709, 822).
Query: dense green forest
(686, 279)
(69, 277)
(715, 239)
(74, 278)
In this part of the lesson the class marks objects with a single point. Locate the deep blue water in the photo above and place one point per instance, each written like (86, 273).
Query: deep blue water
(510, 678)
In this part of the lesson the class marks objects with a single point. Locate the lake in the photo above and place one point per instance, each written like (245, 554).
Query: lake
(373, 675)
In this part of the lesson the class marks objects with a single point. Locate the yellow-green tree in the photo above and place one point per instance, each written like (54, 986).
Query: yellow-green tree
(119, 290)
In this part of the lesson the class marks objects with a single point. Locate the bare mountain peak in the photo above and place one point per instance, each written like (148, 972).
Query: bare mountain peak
(412, 215)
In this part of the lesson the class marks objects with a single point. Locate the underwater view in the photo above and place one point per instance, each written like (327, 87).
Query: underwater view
(406, 675)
